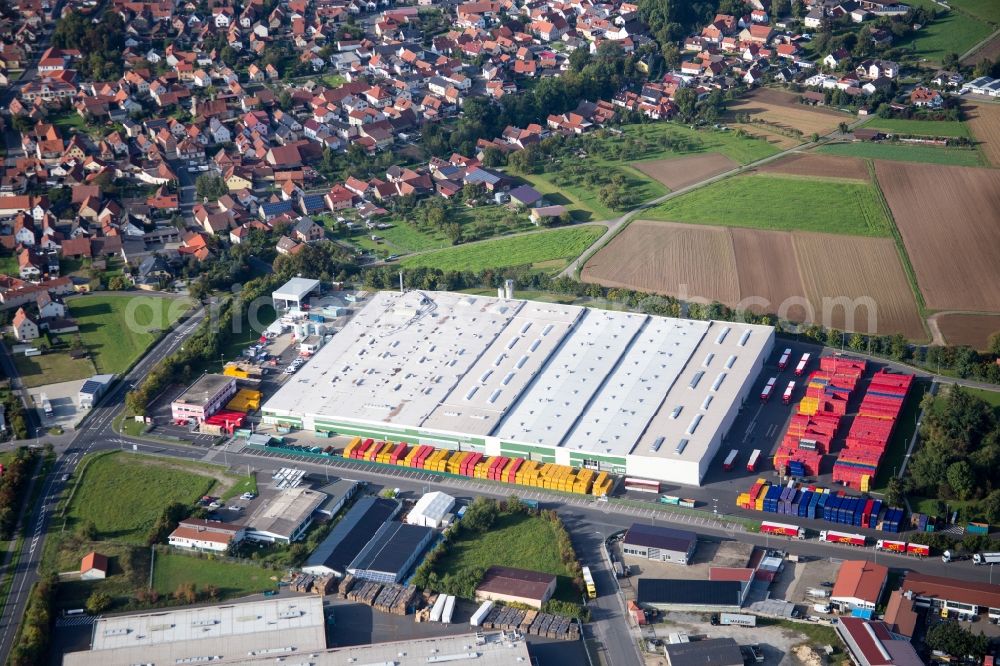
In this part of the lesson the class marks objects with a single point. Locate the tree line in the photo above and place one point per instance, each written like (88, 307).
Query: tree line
(959, 454)
(13, 485)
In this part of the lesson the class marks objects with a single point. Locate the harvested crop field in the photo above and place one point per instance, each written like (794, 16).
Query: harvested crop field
(948, 218)
(858, 272)
(776, 139)
(968, 329)
(800, 276)
(678, 259)
(767, 270)
(820, 166)
(783, 110)
(984, 121)
(683, 172)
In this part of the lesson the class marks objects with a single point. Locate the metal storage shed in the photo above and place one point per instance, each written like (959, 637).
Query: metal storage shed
(431, 509)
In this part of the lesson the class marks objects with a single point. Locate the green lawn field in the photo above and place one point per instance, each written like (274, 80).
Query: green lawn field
(51, 368)
(952, 32)
(404, 237)
(170, 570)
(554, 247)
(782, 204)
(117, 329)
(907, 153)
(515, 540)
(737, 148)
(933, 128)
(987, 10)
(123, 494)
(581, 197)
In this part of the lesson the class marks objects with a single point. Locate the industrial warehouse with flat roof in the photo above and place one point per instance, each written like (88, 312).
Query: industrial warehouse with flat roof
(623, 392)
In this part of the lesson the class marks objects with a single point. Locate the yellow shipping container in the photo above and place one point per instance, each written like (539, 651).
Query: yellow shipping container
(350, 447)
(483, 467)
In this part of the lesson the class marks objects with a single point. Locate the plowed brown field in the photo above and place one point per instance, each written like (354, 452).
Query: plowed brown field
(949, 218)
(694, 262)
(684, 171)
(768, 272)
(856, 272)
(984, 121)
(968, 329)
(784, 110)
(820, 166)
(765, 271)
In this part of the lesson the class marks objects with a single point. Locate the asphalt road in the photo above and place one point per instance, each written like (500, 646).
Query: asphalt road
(96, 433)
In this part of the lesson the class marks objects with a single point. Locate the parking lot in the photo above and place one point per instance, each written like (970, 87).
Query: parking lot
(63, 398)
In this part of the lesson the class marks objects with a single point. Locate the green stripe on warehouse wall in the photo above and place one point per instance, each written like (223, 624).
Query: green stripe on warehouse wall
(392, 432)
(539, 453)
(577, 459)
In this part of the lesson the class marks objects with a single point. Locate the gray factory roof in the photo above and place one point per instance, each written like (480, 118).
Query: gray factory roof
(231, 633)
(687, 592)
(351, 534)
(537, 373)
(204, 389)
(657, 536)
(392, 548)
(283, 515)
(706, 652)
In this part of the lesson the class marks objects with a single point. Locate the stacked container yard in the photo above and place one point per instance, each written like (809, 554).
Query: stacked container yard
(818, 415)
(869, 436)
(470, 463)
(808, 501)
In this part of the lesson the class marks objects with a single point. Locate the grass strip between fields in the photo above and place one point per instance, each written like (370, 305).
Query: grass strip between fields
(911, 275)
(528, 249)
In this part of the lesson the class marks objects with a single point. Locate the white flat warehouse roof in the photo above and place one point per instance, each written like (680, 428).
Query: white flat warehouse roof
(227, 632)
(528, 372)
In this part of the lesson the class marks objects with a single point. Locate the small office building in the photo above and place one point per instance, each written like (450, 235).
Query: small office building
(207, 395)
(92, 390)
(663, 544)
(208, 535)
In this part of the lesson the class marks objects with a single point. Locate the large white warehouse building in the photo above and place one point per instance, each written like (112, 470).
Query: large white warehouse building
(618, 391)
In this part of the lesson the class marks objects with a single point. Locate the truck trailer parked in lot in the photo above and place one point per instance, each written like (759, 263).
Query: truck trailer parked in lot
(783, 361)
(830, 536)
(765, 395)
(782, 529)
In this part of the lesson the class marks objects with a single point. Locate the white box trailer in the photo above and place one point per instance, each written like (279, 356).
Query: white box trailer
(481, 613)
(737, 620)
(449, 609)
(438, 608)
